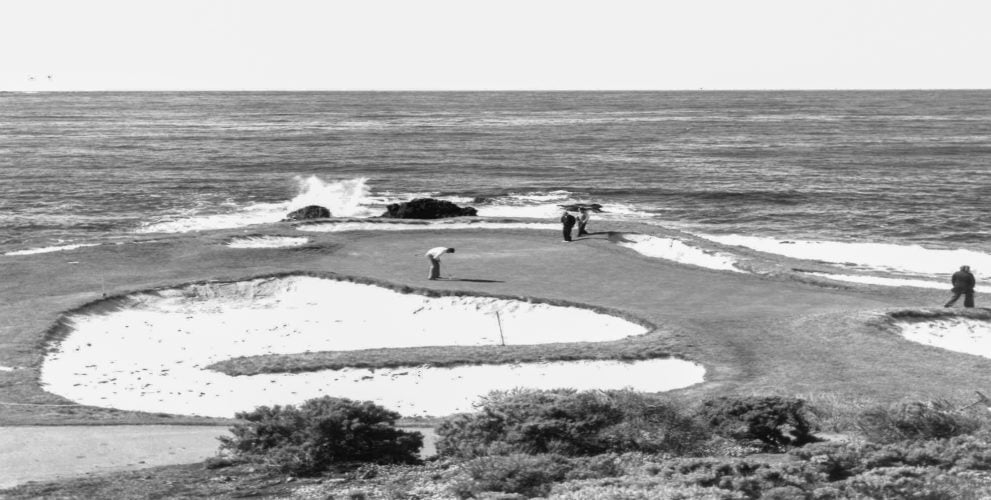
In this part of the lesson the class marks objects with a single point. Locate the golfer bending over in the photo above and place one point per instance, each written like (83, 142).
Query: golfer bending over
(433, 255)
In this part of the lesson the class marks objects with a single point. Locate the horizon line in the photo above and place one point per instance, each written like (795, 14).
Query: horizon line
(700, 89)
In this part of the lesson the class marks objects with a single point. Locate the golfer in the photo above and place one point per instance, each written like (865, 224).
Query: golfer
(433, 255)
(963, 284)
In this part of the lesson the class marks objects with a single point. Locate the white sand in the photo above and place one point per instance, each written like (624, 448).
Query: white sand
(965, 335)
(6, 368)
(151, 356)
(676, 251)
(878, 280)
(267, 242)
(332, 227)
(62, 248)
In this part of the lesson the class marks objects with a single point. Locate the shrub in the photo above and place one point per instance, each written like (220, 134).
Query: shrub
(528, 475)
(320, 433)
(774, 421)
(637, 488)
(570, 423)
(532, 475)
(916, 420)
(843, 460)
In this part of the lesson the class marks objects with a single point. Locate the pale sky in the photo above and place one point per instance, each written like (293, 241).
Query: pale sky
(493, 44)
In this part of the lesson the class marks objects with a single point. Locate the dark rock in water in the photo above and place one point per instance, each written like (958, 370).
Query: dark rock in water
(595, 207)
(427, 208)
(308, 212)
(481, 199)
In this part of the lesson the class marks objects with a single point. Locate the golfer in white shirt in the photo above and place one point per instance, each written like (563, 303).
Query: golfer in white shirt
(433, 255)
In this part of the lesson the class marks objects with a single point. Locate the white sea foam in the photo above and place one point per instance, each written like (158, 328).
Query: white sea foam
(547, 205)
(6, 368)
(267, 242)
(62, 248)
(336, 227)
(347, 198)
(965, 335)
(908, 259)
(676, 250)
(152, 355)
(878, 280)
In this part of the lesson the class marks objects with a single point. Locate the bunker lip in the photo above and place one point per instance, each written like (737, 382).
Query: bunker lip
(960, 330)
(150, 351)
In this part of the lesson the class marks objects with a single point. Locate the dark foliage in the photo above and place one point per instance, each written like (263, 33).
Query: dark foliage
(321, 433)
(916, 420)
(569, 423)
(776, 422)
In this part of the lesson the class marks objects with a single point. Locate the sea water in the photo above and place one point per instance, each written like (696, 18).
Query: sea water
(895, 183)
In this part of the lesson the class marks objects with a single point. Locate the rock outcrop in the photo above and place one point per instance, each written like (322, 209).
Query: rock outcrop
(595, 207)
(427, 208)
(308, 212)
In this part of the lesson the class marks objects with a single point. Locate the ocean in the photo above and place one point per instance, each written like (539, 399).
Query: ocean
(896, 183)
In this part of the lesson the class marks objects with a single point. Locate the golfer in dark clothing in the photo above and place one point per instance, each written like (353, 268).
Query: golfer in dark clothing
(963, 284)
(568, 221)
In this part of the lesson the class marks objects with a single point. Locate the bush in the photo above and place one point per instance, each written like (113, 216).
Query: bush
(528, 475)
(320, 433)
(774, 421)
(570, 423)
(916, 420)
(532, 475)
(842, 460)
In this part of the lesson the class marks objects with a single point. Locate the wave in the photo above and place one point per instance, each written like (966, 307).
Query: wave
(336, 227)
(61, 248)
(880, 280)
(676, 251)
(354, 198)
(345, 198)
(912, 260)
(547, 205)
(267, 242)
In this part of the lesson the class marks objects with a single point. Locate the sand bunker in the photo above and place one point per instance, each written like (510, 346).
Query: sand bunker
(676, 251)
(332, 227)
(267, 242)
(151, 350)
(960, 334)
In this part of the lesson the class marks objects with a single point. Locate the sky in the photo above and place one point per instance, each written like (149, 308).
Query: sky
(493, 45)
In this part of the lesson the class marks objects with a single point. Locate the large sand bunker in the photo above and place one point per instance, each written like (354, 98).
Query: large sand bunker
(150, 351)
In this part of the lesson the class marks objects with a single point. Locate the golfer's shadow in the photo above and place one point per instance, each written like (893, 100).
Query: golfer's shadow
(471, 280)
(589, 236)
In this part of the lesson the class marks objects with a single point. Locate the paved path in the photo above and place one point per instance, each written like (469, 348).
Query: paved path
(45, 453)
(37, 453)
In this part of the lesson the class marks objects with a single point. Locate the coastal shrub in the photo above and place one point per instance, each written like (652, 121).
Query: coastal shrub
(915, 420)
(527, 475)
(531, 475)
(568, 422)
(637, 488)
(926, 483)
(776, 422)
(843, 460)
(748, 478)
(320, 433)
